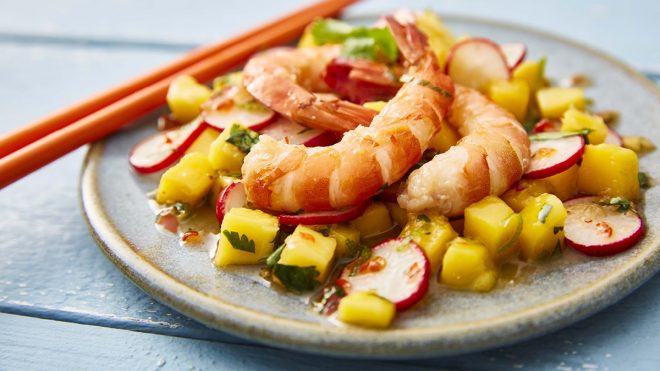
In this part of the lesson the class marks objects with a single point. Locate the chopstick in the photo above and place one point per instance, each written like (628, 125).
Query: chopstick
(48, 139)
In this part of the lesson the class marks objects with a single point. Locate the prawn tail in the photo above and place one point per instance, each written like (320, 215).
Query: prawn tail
(334, 115)
(412, 43)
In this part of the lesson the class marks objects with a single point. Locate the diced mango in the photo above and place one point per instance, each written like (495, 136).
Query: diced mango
(553, 102)
(243, 230)
(445, 138)
(309, 248)
(439, 37)
(225, 156)
(564, 184)
(375, 105)
(374, 221)
(609, 170)
(512, 95)
(432, 232)
(187, 182)
(575, 120)
(203, 142)
(532, 72)
(638, 144)
(398, 214)
(348, 240)
(366, 309)
(307, 39)
(496, 225)
(542, 235)
(523, 192)
(467, 265)
(185, 96)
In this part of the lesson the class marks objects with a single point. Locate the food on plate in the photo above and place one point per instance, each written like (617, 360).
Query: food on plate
(373, 164)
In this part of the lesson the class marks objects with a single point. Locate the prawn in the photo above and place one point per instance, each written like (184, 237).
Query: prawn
(492, 155)
(283, 79)
(283, 177)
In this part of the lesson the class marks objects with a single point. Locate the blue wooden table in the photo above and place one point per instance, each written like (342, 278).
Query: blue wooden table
(63, 305)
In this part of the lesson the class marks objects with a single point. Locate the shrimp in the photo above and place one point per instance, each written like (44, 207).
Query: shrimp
(283, 79)
(283, 177)
(492, 155)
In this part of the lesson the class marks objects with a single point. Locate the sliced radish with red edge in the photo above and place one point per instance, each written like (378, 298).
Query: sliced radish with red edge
(324, 217)
(595, 228)
(552, 156)
(286, 130)
(397, 270)
(514, 53)
(162, 149)
(546, 125)
(613, 138)
(232, 196)
(225, 109)
(476, 62)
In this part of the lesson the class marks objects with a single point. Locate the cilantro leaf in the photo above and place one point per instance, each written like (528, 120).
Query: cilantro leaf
(239, 242)
(330, 31)
(644, 180)
(359, 42)
(297, 279)
(423, 218)
(242, 138)
(622, 204)
(359, 48)
(275, 256)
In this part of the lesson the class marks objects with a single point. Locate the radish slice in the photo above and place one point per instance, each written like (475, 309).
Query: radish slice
(552, 156)
(232, 196)
(600, 230)
(324, 217)
(397, 270)
(514, 53)
(162, 149)
(476, 62)
(546, 125)
(252, 119)
(361, 81)
(286, 130)
(613, 138)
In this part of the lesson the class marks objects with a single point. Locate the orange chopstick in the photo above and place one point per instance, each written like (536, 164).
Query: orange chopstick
(21, 137)
(107, 119)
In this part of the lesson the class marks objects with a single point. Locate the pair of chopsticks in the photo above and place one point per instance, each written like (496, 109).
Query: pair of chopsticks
(39, 143)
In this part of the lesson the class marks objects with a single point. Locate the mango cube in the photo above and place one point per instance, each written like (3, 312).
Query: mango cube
(398, 214)
(203, 142)
(532, 72)
(467, 265)
(523, 192)
(188, 181)
(185, 97)
(225, 156)
(445, 138)
(366, 309)
(575, 120)
(432, 232)
(553, 102)
(564, 184)
(609, 170)
(374, 221)
(511, 95)
(495, 224)
(439, 37)
(309, 248)
(348, 240)
(246, 237)
(543, 223)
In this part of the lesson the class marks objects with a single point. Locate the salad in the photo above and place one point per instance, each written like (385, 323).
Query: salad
(368, 161)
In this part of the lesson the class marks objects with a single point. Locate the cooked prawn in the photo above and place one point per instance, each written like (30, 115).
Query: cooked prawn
(489, 159)
(284, 177)
(283, 79)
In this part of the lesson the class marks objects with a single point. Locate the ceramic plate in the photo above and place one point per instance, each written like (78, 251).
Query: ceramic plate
(445, 322)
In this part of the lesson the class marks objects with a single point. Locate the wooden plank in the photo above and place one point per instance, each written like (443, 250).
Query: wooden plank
(34, 344)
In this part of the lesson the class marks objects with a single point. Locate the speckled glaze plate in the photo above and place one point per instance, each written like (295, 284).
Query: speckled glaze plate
(445, 322)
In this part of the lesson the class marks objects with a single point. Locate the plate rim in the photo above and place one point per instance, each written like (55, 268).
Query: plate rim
(315, 338)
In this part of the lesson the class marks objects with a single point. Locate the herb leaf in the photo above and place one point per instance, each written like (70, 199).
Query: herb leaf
(545, 211)
(622, 204)
(644, 180)
(359, 42)
(423, 218)
(242, 138)
(297, 279)
(239, 242)
(557, 251)
(558, 135)
(556, 230)
(275, 256)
